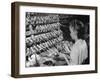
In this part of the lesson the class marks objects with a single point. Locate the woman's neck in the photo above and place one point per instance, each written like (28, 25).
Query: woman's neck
(76, 39)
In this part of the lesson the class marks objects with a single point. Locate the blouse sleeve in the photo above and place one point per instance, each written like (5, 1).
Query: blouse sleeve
(74, 56)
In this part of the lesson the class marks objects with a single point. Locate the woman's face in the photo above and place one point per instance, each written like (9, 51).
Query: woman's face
(73, 33)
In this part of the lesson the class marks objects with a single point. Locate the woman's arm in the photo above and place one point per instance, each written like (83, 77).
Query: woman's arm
(73, 58)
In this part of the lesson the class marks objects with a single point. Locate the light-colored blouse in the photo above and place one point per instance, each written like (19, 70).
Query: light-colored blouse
(78, 52)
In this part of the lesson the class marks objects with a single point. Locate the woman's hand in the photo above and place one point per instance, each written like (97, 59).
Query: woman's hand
(66, 57)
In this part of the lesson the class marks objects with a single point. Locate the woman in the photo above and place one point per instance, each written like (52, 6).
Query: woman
(78, 51)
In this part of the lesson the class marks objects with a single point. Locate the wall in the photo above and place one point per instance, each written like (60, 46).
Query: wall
(5, 40)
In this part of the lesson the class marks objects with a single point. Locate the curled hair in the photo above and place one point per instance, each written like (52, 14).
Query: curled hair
(79, 27)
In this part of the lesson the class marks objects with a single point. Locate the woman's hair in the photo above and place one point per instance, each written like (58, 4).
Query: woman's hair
(79, 27)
